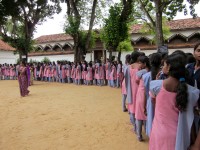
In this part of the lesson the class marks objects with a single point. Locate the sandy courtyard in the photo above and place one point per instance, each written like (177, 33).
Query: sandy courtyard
(64, 117)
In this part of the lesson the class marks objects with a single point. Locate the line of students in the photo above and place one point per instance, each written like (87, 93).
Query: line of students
(160, 98)
(68, 72)
(155, 87)
(81, 73)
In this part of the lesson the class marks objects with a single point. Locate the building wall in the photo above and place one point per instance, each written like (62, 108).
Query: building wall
(90, 56)
(8, 57)
(68, 57)
(179, 42)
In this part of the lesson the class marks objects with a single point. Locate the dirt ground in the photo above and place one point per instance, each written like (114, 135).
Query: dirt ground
(64, 117)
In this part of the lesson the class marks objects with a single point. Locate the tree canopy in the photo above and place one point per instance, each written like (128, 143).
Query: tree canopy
(154, 11)
(19, 19)
(116, 27)
(79, 14)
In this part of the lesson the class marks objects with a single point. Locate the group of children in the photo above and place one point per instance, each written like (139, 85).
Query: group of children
(85, 73)
(162, 93)
(159, 91)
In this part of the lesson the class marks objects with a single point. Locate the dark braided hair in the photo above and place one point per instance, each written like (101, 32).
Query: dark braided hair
(155, 61)
(177, 70)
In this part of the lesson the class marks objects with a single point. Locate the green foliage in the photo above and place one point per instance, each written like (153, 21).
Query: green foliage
(125, 46)
(147, 29)
(33, 61)
(18, 61)
(116, 27)
(19, 18)
(167, 8)
(22, 45)
(45, 60)
(82, 40)
(84, 9)
(110, 34)
(8, 8)
(73, 26)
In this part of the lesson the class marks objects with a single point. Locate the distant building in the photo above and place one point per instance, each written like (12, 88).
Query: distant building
(185, 33)
(7, 53)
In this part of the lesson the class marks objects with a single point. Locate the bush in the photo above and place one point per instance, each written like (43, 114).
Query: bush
(33, 61)
(46, 60)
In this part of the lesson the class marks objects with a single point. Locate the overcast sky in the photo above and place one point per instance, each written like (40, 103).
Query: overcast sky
(56, 25)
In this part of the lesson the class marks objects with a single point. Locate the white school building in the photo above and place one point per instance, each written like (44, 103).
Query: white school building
(184, 34)
(7, 53)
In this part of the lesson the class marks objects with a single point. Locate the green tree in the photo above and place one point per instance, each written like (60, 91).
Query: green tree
(156, 9)
(116, 26)
(79, 13)
(22, 19)
(45, 60)
(148, 29)
(125, 46)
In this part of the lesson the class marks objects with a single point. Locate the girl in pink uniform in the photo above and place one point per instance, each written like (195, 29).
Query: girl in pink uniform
(119, 74)
(3, 71)
(132, 85)
(174, 105)
(69, 69)
(101, 74)
(73, 73)
(78, 73)
(140, 116)
(113, 75)
(12, 72)
(84, 71)
(89, 76)
(53, 72)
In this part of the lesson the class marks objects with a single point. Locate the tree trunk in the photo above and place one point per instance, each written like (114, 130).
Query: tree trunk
(75, 53)
(110, 55)
(159, 30)
(119, 55)
(87, 43)
(104, 56)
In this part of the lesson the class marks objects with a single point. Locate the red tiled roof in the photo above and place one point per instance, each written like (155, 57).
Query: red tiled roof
(53, 38)
(180, 24)
(6, 47)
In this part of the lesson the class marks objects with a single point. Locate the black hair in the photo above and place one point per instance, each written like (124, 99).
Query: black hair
(134, 56)
(190, 58)
(24, 62)
(128, 59)
(177, 70)
(144, 59)
(155, 61)
(180, 52)
(197, 45)
(142, 53)
(90, 64)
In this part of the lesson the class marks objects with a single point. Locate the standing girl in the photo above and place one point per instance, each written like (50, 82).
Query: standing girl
(124, 93)
(132, 86)
(78, 73)
(175, 101)
(113, 75)
(89, 76)
(155, 61)
(140, 116)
